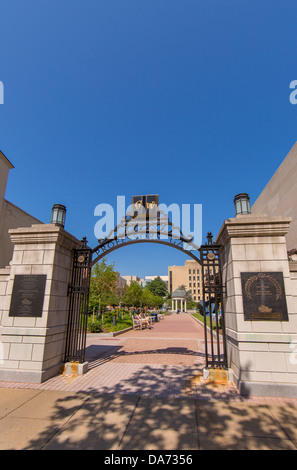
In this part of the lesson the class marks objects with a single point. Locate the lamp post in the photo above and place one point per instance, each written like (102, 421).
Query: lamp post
(58, 215)
(242, 204)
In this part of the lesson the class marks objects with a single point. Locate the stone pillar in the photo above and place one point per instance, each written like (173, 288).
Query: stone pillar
(259, 352)
(34, 346)
(185, 305)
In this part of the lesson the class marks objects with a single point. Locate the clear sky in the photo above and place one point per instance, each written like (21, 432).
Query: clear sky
(186, 99)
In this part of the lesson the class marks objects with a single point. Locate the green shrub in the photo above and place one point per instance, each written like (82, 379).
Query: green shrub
(123, 321)
(94, 327)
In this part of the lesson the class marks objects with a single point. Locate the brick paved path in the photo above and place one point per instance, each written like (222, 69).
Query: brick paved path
(139, 394)
(166, 361)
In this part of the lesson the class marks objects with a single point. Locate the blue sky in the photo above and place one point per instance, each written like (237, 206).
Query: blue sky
(188, 100)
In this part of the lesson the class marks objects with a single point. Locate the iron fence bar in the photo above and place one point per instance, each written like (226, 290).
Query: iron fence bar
(204, 309)
(210, 312)
(213, 289)
(84, 319)
(78, 304)
(217, 329)
(70, 315)
(223, 315)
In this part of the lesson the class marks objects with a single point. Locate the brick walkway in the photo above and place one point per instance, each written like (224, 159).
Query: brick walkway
(166, 361)
(143, 391)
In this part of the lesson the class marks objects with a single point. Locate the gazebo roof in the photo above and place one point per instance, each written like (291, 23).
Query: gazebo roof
(178, 293)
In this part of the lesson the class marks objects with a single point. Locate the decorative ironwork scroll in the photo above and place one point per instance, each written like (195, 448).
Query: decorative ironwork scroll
(133, 229)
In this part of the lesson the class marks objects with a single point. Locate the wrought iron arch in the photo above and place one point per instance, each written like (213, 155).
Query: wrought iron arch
(108, 246)
(133, 230)
(129, 232)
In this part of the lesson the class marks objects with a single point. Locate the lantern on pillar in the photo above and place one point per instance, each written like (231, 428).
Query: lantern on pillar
(242, 204)
(58, 215)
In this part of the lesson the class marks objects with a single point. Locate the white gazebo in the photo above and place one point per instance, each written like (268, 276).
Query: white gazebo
(177, 295)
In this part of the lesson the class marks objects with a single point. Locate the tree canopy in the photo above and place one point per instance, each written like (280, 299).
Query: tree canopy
(103, 284)
(158, 287)
(105, 290)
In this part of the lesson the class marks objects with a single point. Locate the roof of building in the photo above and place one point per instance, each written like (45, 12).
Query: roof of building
(8, 163)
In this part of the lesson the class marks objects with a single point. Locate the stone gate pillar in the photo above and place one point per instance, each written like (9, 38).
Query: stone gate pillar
(33, 334)
(261, 342)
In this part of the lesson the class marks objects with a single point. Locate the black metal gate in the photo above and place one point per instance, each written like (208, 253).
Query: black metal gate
(78, 292)
(213, 308)
(215, 340)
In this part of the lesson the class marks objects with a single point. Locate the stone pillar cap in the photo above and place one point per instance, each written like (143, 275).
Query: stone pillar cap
(43, 233)
(253, 226)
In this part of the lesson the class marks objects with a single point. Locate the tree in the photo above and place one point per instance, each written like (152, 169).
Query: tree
(158, 287)
(158, 301)
(103, 283)
(188, 293)
(182, 287)
(137, 296)
(120, 292)
(147, 298)
(133, 296)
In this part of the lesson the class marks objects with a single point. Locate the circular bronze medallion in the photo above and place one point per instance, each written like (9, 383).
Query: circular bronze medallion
(211, 256)
(81, 259)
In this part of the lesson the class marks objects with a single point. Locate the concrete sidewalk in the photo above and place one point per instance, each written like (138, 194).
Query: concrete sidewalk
(55, 420)
(143, 391)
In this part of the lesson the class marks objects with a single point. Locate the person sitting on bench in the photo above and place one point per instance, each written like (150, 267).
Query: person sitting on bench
(145, 321)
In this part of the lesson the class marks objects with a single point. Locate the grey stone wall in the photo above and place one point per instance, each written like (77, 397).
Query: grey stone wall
(34, 347)
(260, 352)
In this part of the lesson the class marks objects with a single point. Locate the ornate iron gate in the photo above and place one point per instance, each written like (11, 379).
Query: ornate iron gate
(78, 292)
(213, 290)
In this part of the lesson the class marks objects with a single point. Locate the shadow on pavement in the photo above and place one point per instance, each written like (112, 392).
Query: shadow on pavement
(113, 422)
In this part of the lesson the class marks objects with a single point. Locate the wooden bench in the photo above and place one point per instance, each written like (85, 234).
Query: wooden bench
(139, 323)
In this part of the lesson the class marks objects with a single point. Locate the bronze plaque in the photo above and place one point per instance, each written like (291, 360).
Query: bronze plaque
(27, 295)
(264, 297)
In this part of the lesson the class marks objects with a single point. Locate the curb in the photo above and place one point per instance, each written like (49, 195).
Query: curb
(108, 335)
(200, 322)
(207, 327)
